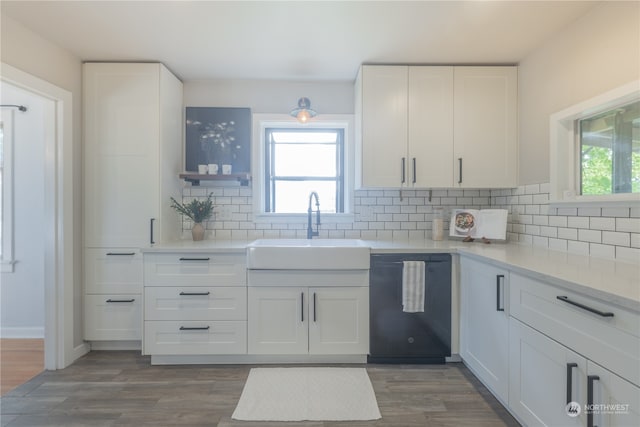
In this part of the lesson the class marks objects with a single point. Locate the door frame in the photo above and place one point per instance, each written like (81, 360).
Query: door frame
(59, 278)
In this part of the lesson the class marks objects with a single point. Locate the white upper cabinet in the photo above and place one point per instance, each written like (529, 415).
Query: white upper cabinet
(486, 130)
(417, 125)
(430, 125)
(384, 125)
(132, 153)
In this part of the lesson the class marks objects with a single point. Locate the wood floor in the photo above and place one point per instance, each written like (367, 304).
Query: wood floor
(123, 389)
(20, 360)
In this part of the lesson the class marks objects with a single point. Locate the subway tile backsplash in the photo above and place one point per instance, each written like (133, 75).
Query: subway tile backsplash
(599, 232)
(407, 214)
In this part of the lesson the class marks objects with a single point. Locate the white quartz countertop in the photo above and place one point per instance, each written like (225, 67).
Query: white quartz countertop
(616, 282)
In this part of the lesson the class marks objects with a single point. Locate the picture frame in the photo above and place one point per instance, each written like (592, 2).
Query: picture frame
(218, 135)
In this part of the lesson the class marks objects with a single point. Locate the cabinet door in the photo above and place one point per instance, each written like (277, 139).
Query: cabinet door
(540, 372)
(484, 324)
(121, 125)
(384, 126)
(616, 402)
(278, 320)
(430, 126)
(485, 117)
(339, 320)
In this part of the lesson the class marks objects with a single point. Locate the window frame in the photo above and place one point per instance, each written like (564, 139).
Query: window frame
(565, 158)
(325, 121)
(269, 154)
(7, 260)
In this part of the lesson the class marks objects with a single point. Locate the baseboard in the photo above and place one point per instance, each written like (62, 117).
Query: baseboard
(80, 351)
(115, 345)
(25, 332)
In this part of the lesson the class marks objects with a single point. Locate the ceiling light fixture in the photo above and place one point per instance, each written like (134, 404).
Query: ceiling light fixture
(304, 112)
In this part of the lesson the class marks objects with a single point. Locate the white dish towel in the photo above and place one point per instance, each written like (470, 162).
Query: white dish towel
(413, 282)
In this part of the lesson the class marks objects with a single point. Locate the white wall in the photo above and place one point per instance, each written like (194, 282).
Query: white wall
(27, 51)
(599, 52)
(22, 291)
(271, 96)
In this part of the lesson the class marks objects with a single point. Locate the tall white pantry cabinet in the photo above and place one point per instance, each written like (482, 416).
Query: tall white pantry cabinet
(132, 158)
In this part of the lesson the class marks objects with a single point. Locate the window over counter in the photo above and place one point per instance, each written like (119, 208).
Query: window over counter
(610, 151)
(299, 161)
(595, 151)
(294, 160)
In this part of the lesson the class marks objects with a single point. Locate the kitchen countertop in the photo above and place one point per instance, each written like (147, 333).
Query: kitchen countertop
(613, 281)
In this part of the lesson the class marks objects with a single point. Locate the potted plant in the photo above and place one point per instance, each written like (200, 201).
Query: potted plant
(196, 210)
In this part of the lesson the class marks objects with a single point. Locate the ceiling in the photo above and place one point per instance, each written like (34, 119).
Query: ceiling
(295, 40)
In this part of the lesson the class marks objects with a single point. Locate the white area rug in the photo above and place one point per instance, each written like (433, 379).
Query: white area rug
(313, 394)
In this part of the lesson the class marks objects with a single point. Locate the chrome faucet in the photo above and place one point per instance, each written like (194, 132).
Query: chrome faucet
(310, 232)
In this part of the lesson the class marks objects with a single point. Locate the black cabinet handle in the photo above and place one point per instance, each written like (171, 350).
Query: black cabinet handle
(302, 306)
(120, 300)
(194, 328)
(590, 380)
(194, 293)
(151, 221)
(404, 170)
(459, 170)
(498, 293)
(570, 367)
(585, 307)
(314, 307)
(195, 259)
(414, 170)
(121, 253)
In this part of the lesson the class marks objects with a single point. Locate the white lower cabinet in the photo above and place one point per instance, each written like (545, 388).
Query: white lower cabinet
(195, 304)
(615, 401)
(302, 320)
(563, 346)
(115, 317)
(112, 294)
(195, 337)
(484, 323)
(543, 377)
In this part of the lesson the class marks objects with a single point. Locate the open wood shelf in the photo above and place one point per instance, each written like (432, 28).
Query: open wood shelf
(195, 178)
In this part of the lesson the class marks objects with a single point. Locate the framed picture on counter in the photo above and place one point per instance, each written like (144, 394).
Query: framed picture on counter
(218, 136)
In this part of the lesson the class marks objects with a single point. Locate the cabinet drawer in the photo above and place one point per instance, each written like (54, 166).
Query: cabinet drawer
(195, 303)
(195, 269)
(112, 317)
(206, 337)
(612, 341)
(113, 271)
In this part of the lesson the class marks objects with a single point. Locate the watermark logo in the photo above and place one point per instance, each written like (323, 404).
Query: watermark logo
(607, 408)
(573, 409)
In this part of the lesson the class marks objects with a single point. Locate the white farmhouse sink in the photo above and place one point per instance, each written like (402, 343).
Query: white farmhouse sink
(307, 254)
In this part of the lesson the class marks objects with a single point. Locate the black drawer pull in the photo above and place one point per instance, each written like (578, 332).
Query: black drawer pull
(194, 328)
(195, 259)
(190, 294)
(121, 253)
(590, 380)
(570, 367)
(120, 300)
(499, 278)
(585, 307)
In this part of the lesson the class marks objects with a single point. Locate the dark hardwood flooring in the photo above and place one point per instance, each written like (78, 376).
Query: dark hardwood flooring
(121, 388)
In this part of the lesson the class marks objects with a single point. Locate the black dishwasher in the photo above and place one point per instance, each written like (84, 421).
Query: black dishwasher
(400, 337)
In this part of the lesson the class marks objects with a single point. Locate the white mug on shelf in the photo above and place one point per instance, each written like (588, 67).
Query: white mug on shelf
(202, 169)
(226, 169)
(213, 169)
